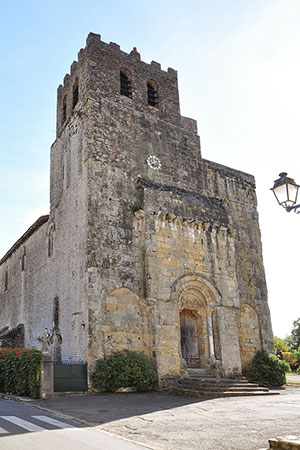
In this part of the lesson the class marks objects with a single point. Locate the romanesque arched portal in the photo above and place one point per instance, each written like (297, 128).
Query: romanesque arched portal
(198, 340)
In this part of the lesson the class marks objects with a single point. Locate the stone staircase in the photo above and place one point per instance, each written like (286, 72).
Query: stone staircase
(199, 383)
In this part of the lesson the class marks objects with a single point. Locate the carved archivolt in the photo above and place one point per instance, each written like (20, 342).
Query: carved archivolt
(194, 292)
(192, 299)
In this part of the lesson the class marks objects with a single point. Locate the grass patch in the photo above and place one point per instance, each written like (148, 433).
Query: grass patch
(293, 379)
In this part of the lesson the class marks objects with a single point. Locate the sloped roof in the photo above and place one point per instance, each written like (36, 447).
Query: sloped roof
(41, 220)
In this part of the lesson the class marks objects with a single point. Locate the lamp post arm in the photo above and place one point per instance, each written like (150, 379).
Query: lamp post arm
(295, 208)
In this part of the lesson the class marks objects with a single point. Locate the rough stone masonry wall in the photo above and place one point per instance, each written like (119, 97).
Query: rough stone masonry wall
(194, 248)
(131, 246)
(59, 276)
(68, 214)
(238, 191)
(30, 291)
(38, 279)
(123, 133)
(120, 134)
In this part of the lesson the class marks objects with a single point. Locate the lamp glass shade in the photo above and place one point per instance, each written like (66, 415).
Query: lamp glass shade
(281, 194)
(286, 192)
(292, 190)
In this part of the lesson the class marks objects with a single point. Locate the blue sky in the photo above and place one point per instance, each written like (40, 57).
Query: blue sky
(239, 71)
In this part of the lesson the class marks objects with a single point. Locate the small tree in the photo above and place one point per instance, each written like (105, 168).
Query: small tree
(294, 339)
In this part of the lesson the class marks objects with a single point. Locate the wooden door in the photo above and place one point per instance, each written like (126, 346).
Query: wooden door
(189, 338)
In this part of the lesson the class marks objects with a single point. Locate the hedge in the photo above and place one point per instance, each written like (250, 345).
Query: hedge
(20, 371)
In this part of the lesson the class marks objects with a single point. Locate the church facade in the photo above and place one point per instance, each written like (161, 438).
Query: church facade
(147, 245)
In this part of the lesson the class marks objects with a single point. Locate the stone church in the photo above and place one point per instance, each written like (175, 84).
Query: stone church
(147, 245)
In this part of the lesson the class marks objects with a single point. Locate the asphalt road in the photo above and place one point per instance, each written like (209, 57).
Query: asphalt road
(25, 428)
(169, 422)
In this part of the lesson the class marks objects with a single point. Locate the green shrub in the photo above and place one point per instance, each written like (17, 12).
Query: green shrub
(20, 371)
(267, 369)
(124, 369)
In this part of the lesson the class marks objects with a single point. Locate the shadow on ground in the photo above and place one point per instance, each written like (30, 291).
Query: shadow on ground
(102, 408)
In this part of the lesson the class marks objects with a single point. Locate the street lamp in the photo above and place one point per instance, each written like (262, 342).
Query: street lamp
(286, 191)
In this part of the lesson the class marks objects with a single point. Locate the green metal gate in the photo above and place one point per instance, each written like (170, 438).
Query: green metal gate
(70, 377)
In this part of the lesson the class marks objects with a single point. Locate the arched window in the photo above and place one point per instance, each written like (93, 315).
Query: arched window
(64, 110)
(152, 93)
(125, 83)
(75, 93)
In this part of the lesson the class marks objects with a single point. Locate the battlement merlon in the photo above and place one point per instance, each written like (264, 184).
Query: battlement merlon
(97, 75)
(95, 39)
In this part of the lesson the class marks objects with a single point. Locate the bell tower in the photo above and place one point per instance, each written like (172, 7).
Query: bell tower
(137, 210)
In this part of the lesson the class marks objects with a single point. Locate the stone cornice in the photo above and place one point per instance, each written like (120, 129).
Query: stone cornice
(170, 218)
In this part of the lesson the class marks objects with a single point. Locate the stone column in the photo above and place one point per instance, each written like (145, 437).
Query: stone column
(210, 337)
(47, 377)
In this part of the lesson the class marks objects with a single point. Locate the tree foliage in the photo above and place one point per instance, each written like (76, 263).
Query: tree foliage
(294, 338)
(280, 345)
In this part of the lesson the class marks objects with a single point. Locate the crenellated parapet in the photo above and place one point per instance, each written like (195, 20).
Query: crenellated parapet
(99, 73)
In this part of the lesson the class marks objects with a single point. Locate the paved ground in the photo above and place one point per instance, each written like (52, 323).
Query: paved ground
(23, 427)
(169, 422)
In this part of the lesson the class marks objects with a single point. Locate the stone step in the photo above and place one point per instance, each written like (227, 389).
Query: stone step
(197, 371)
(225, 381)
(222, 388)
(204, 373)
(248, 389)
(211, 386)
(213, 378)
(214, 394)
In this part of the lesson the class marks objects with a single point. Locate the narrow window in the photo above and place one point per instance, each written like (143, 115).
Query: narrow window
(125, 83)
(152, 93)
(75, 93)
(50, 240)
(50, 245)
(64, 110)
(23, 259)
(6, 279)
